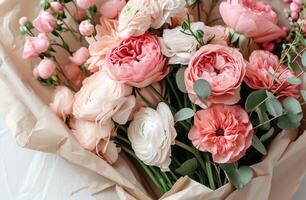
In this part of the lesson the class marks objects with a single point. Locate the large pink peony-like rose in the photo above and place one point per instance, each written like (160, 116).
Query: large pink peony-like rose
(224, 131)
(101, 99)
(224, 69)
(252, 18)
(265, 72)
(137, 61)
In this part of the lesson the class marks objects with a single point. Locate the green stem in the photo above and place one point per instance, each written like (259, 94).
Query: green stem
(209, 172)
(175, 92)
(123, 139)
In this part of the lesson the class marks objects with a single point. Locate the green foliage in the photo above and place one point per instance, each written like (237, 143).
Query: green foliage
(188, 167)
(256, 143)
(183, 114)
(202, 89)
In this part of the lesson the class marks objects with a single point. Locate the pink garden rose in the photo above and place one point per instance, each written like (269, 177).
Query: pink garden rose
(224, 131)
(35, 46)
(80, 56)
(252, 18)
(91, 135)
(112, 8)
(224, 69)
(104, 41)
(265, 72)
(62, 102)
(45, 22)
(101, 99)
(137, 61)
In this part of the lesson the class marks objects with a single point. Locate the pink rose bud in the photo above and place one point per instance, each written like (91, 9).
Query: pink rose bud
(85, 4)
(35, 45)
(294, 7)
(80, 15)
(56, 6)
(45, 22)
(46, 68)
(284, 32)
(35, 73)
(294, 15)
(287, 1)
(299, 2)
(112, 8)
(80, 56)
(86, 28)
(268, 46)
(23, 21)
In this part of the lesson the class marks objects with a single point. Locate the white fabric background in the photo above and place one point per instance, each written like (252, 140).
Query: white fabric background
(31, 175)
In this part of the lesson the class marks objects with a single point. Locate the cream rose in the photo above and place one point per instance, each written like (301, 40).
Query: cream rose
(151, 134)
(101, 99)
(180, 47)
(62, 101)
(139, 15)
(94, 137)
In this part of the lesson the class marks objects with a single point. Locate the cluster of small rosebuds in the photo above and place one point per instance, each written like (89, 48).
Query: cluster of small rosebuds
(295, 6)
(45, 33)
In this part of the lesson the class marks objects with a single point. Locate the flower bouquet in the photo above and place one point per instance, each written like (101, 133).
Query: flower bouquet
(181, 91)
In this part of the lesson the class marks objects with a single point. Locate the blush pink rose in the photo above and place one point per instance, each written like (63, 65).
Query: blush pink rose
(265, 72)
(101, 99)
(137, 61)
(62, 102)
(45, 22)
(224, 131)
(80, 56)
(74, 74)
(46, 68)
(224, 69)
(35, 46)
(252, 18)
(112, 8)
(104, 41)
(85, 4)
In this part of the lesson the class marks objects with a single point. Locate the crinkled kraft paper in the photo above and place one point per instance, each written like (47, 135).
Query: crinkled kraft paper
(23, 104)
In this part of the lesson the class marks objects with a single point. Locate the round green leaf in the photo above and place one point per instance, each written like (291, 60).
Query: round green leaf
(256, 143)
(179, 77)
(267, 135)
(294, 80)
(303, 93)
(274, 107)
(263, 118)
(188, 167)
(202, 88)
(304, 58)
(254, 99)
(286, 123)
(292, 106)
(183, 114)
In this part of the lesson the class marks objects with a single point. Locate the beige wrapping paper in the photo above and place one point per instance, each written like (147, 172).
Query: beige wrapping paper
(23, 104)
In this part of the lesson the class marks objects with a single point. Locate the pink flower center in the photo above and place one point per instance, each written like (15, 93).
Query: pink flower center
(220, 132)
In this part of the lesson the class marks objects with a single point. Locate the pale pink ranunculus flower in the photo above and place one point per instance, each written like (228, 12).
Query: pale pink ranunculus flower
(138, 15)
(112, 8)
(152, 134)
(85, 4)
(265, 71)
(90, 136)
(86, 28)
(101, 99)
(45, 22)
(80, 56)
(180, 47)
(251, 18)
(104, 41)
(137, 61)
(35, 45)
(222, 67)
(74, 74)
(46, 68)
(224, 131)
(63, 99)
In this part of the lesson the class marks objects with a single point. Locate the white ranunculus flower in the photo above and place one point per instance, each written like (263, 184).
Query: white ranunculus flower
(178, 46)
(151, 134)
(102, 98)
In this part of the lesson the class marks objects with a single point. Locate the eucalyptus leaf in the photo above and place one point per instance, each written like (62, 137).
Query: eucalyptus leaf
(179, 77)
(294, 115)
(202, 89)
(183, 114)
(304, 58)
(254, 99)
(238, 177)
(292, 106)
(293, 67)
(303, 93)
(188, 167)
(256, 143)
(286, 123)
(235, 37)
(263, 118)
(294, 80)
(274, 107)
(267, 135)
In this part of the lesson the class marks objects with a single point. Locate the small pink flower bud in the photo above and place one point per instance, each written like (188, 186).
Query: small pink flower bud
(86, 28)
(35, 73)
(299, 2)
(284, 32)
(23, 21)
(45, 22)
(80, 56)
(46, 68)
(80, 15)
(85, 4)
(56, 6)
(294, 15)
(294, 7)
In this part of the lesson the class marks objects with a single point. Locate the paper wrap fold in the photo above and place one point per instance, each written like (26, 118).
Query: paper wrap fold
(23, 104)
